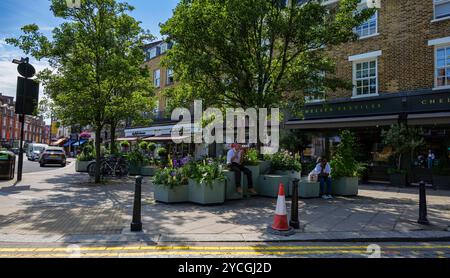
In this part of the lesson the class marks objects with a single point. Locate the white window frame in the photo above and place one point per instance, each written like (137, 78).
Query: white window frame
(367, 60)
(157, 78)
(169, 76)
(447, 67)
(362, 6)
(311, 99)
(438, 2)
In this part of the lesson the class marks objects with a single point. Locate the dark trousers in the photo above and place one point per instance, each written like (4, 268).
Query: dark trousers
(325, 180)
(237, 169)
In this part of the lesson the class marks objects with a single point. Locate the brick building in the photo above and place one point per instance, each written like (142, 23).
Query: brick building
(34, 129)
(400, 69)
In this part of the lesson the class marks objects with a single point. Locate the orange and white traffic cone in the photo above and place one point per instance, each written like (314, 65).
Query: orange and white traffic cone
(280, 222)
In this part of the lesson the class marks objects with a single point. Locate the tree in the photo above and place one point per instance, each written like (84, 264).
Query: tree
(260, 54)
(344, 163)
(96, 56)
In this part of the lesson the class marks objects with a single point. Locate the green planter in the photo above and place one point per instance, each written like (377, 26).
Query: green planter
(134, 170)
(440, 181)
(291, 175)
(269, 185)
(255, 177)
(81, 166)
(207, 194)
(230, 184)
(345, 186)
(398, 179)
(148, 171)
(177, 194)
(264, 167)
(307, 189)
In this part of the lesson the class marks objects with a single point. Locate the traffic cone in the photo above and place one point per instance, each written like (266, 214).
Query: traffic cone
(281, 219)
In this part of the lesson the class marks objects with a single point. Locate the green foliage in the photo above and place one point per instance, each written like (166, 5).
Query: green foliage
(208, 172)
(125, 144)
(251, 157)
(170, 177)
(143, 146)
(344, 163)
(137, 159)
(403, 140)
(151, 147)
(162, 152)
(285, 161)
(294, 140)
(87, 154)
(246, 53)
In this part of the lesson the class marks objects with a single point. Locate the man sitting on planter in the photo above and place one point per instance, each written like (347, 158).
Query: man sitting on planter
(234, 160)
(323, 170)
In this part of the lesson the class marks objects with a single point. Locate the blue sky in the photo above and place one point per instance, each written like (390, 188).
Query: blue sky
(14, 14)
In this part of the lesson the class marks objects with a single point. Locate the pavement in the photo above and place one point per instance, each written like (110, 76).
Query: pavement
(63, 207)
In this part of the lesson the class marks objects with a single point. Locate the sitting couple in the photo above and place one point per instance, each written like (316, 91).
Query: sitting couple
(323, 172)
(235, 158)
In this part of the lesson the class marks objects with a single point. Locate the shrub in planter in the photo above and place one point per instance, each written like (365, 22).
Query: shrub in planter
(125, 145)
(171, 185)
(207, 183)
(136, 160)
(84, 159)
(345, 168)
(143, 146)
(286, 164)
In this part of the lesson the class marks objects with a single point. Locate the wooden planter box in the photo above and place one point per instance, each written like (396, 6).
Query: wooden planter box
(441, 181)
(230, 185)
(207, 194)
(398, 180)
(345, 186)
(307, 189)
(81, 166)
(269, 185)
(148, 171)
(177, 194)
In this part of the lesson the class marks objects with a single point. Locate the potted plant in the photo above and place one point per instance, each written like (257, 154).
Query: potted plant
(84, 159)
(286, 164)
(251, 161)
(125, 145)
(206, 183)
(404, 140)
(345, 168)
(136, 160)
(171, 186)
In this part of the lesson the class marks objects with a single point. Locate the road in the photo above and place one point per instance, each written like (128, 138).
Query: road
(33, 166)
(232, 250)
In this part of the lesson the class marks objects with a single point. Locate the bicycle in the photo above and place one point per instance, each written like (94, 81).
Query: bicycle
(110, 166)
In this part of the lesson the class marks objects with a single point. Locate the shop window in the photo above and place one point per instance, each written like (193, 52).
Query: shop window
(442, 67)
(441, 9)
(365, 77)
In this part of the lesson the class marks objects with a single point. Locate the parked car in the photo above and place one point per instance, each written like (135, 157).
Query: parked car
(34, 151)
(53, 155)
(15, 150)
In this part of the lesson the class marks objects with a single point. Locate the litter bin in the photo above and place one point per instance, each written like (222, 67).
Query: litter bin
(7, 165)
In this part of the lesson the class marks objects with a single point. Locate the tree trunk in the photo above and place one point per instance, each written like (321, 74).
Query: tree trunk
(98, 132)
(113, 146)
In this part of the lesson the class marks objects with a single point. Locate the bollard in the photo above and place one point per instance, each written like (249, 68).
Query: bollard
(423, 204)
(294, 223)
(136, 224)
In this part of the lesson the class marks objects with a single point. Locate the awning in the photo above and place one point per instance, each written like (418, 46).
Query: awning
(58, 142)
(165, 138)
(429, 119)
(129, 139)
(68, 143)
(79, 143)
(343, 122)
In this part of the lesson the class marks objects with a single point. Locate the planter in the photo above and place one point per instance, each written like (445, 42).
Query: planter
(230, 185)
(269, 185)
(177, 194)
(345, 186)
(148, 171)
(207, 194)
(291, 175)
(134, 170)
(441, 181)
(264, 167)
(398, 179)
(81, 166)
(307, 189)
(255, 177)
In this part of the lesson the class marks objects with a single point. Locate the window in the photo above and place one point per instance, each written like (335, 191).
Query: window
(441, 9)
(443, 66)
(157, 78)
(369, 27)
(365, 78)
(169, 80)
(316, 94)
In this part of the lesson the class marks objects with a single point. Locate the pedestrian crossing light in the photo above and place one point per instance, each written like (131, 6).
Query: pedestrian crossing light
(374, 4)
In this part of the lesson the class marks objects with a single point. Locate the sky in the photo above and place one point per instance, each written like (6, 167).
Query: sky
(14, 14)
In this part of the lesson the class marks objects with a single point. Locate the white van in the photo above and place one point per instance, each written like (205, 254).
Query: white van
(35, 150)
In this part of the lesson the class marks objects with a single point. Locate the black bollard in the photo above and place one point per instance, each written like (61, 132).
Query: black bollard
(423, 204)
(136, 224)
(294, 223)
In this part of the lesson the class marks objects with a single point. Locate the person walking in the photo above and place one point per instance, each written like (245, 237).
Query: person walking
(234, 161)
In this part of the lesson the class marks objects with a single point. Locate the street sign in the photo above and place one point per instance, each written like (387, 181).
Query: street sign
(26, 70)
(28, 92)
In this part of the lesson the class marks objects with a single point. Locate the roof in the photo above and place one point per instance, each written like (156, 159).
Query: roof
(152, 44)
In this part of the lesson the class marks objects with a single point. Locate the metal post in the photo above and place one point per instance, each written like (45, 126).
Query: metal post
(423, 204)
(136, 224)
(294, 223)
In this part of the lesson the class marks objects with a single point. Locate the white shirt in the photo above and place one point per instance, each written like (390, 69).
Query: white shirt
(230, 155)
(431, 156)
(318, 169)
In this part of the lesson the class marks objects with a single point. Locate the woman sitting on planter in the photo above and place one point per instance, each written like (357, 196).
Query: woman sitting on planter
(234, 162)
(323, 170)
